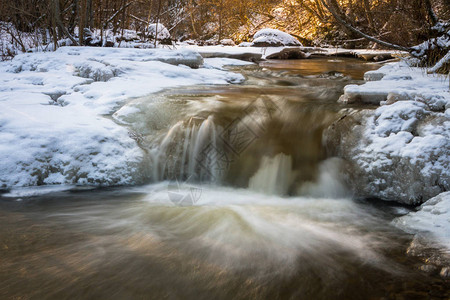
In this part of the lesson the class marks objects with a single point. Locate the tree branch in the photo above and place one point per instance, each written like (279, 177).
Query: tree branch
(368, 37)
(440, 63)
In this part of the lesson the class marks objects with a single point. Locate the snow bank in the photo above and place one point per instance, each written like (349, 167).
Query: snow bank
(432, 217)
(401, 150)
(400, 79)
(52, 104)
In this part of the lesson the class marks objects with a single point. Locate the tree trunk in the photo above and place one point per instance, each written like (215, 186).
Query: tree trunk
(58, 22)
(368, 14)
(430, 12)
(157, 21)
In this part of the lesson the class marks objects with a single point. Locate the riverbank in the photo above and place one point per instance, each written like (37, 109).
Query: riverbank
(53, 124)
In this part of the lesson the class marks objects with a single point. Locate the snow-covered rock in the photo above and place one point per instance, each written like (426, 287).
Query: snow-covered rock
(227, 42)
(52, 106)
(163, 32)
(401, 150)
(272, 38)
(432, 217)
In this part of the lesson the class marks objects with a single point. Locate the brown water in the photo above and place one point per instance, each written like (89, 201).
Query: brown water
(232, 230)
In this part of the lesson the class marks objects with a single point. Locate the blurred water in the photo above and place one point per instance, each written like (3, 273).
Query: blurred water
(230, 244)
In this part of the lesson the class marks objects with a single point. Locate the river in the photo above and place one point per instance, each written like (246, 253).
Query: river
(239, 200)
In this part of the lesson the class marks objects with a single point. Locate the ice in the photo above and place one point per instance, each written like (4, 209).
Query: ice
(432, 217)
(220, 62)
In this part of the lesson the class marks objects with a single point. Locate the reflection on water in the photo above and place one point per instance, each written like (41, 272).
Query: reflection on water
(192, 238)
(347, 66)
(232, 244)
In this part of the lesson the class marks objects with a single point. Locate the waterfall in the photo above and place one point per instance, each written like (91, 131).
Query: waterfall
(188, 151)
(273, 176)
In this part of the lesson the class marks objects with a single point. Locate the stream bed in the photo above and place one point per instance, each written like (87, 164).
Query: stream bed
(239, 201)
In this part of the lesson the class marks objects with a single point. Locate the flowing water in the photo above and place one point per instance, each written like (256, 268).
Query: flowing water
(241, 202)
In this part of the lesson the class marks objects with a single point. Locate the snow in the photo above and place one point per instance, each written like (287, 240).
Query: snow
(55, 106)
(400, 78)
(219, 63)
(232, 50)
(432, 217)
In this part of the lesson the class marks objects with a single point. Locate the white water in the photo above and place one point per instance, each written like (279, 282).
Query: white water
(274, 175)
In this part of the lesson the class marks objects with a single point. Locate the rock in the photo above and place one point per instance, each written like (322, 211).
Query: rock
(245, 44)
(353, 94)
(373, 76)
(375, 56)
(394, 97)
(289, 53)
(384, 145)
(248, 56)
(432, 218)
(398, 152)
(273, 38)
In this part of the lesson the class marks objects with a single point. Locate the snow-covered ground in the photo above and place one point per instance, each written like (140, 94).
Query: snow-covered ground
(55, 106)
